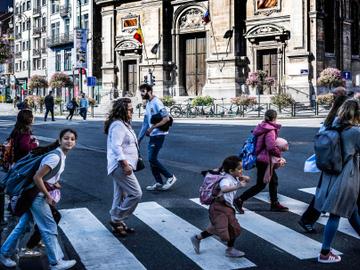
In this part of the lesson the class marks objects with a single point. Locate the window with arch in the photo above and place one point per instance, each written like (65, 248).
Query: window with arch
(355, 28)
(329, 26)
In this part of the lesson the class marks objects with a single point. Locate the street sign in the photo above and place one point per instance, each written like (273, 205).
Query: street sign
(304, 71)
(346, 75)
(91, 81)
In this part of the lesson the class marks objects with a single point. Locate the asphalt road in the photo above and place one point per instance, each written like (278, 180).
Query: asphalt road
(189, 149)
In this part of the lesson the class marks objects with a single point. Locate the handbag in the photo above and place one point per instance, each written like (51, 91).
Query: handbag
(310, 165)
(140, 165)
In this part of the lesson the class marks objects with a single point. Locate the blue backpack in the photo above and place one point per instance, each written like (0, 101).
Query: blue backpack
(19, 180)
(248, 153)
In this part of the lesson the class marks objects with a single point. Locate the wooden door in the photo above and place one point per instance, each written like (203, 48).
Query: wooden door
(195, 64)
(130, 78)
(268, 62)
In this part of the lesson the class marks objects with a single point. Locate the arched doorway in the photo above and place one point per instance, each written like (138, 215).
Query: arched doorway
(191, 50)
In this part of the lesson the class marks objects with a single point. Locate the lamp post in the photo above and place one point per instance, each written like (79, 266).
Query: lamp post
(23, 16)
(80, 26)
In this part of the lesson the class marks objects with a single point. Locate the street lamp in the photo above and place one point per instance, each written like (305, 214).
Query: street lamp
(23, 16)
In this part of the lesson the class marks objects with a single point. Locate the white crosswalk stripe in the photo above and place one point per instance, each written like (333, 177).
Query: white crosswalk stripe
(86, 233)
(279, 235)
(298, 207)
(97, 248)
(178, 232)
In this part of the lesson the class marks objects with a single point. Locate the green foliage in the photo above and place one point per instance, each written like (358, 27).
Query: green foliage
(168, 101)
(282, 100)
(58, 101)
(326, 99)
(202, 101)
(5, 50)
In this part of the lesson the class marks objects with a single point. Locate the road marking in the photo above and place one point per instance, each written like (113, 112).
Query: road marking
(279, 235)
(97, 248)
(178, 232)
(311, 190)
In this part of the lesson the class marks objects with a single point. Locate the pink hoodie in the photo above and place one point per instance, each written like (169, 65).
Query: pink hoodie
(267, 134)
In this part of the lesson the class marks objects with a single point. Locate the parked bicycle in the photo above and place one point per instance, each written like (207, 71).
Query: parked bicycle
(183, 110)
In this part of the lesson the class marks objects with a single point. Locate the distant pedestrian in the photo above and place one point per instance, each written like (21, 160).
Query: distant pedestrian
(223, 222)
(338, 194)
(266, 132)
(84, 105)
(49, 106)
(122, 159)
(311, 215)
(71, 106)
(16, 101)
(40, 210)
(154, 106)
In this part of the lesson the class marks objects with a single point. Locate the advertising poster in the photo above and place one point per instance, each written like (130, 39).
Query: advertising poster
(80, 47)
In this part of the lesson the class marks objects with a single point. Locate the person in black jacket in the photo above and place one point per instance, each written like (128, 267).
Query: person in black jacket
(71, 106)
(49, 106)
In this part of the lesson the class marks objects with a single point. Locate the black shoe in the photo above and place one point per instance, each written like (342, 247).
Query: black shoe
(307, 227)
(277, 207)
(238, 203)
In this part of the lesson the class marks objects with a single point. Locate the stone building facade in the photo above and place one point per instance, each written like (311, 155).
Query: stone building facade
(293, 41)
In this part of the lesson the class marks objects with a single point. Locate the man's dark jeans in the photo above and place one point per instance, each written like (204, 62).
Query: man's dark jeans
(83, 113)
(157, 169)
(260, 185)
(51, 110)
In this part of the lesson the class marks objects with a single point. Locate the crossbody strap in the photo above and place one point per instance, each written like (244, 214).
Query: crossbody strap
(136, 141)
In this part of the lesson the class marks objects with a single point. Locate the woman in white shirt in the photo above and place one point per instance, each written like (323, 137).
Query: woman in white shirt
(122, 158)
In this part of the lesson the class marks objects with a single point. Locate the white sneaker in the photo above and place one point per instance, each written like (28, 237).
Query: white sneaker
(63, 264)
(156, 186)
(170, 182)
(7, 261)
(27, 252)
(234, 253)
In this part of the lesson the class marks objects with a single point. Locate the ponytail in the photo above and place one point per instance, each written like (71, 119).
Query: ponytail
(45, 149)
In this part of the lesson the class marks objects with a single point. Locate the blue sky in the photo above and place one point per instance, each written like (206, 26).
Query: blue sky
(4, 4)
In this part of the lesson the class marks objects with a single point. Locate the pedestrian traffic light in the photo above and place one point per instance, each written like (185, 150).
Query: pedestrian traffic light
(152, 79)
(146, 79)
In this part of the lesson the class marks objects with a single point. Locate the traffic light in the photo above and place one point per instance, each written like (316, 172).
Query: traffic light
(150, 79)
(146, 79)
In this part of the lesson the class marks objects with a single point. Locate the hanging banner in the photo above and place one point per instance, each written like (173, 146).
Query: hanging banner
(80, 41)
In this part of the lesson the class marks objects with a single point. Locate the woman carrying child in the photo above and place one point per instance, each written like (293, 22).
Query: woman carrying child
(222, 212)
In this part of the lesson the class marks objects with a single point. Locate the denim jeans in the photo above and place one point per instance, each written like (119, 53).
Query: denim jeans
(157, 169)
(39, 212)
(83, 113)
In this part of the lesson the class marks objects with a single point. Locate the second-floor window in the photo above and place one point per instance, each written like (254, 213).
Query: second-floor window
(55, 30)
(57, 61)
(67, 59)
(54, 6)
(67, 26)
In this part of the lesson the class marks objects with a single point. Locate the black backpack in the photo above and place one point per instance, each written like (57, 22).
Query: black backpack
(156, 118)
(328, 150)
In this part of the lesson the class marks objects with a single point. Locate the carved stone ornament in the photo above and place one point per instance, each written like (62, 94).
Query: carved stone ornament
(266, 30)
(127, 45)
(191, 19)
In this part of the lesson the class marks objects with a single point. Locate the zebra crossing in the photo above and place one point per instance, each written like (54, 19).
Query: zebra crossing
(85, 232)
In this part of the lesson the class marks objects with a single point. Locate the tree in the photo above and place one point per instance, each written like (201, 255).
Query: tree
(5, 50)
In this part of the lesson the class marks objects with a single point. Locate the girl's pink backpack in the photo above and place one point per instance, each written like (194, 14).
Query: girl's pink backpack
(210, 188)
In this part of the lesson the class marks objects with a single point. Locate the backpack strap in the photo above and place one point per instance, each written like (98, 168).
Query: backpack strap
(54, 171)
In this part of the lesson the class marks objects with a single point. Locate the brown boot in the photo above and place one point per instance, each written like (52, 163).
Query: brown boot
(277, 207)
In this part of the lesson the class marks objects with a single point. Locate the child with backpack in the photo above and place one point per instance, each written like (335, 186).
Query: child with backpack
(223, 221)
(266, 134)
(47, 194)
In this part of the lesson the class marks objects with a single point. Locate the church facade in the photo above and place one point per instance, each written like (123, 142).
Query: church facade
(197, 48)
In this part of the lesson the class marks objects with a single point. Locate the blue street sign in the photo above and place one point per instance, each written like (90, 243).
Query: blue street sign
(346, 75)
(91, 81)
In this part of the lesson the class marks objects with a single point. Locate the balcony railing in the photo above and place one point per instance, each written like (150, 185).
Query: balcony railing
(65, 11)
(60, 40)
(43, 28)
(18, 54)
(36, 11)
(36, 52)
(36, 30)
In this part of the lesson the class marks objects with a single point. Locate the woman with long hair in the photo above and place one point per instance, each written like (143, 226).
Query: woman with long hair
(46, 179)
(338, 194)
(311, 215)
(24, 140)
(122, 158)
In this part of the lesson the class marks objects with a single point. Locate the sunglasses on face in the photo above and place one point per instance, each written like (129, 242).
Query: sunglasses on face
(131, 110)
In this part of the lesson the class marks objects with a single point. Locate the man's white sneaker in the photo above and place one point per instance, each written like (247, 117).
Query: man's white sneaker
(170, 182)
(63, 264)
(7, 261)
(156, 186)
(234, 253)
